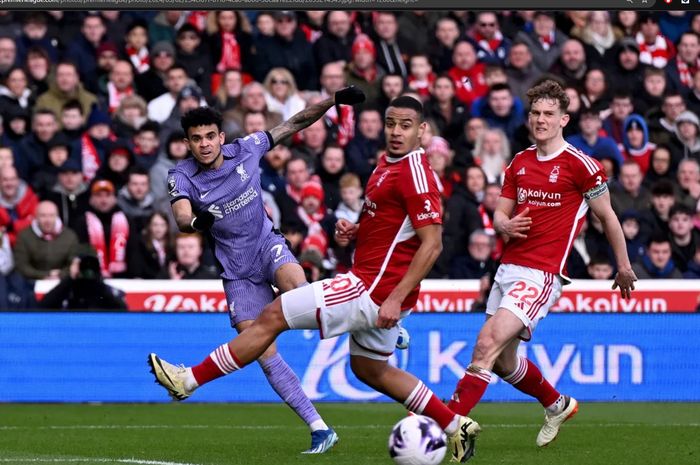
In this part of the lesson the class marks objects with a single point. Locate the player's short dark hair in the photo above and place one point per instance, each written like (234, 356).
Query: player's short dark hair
(73, 104)
(549, 90)
(404, 101)
(681, 209)
(202, 116)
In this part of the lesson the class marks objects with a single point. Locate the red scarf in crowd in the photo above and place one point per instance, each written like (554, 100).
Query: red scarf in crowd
(198, 19)
(139, 58)
(119, 235)
(489, 45)
(656, 54)
(346, 125)
(686, 72)
(311, 34)
(116, 95)
(422, 87)
(547, 41)
(312, 221)
(230, 53)
(90, 157)
(294, 193)
(469, 84)
(491, 231)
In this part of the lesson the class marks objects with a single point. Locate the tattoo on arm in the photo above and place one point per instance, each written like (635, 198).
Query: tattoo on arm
(301, 120)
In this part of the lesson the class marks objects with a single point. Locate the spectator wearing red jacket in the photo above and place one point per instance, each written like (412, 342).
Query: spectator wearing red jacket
(17, 203)
(467, 73)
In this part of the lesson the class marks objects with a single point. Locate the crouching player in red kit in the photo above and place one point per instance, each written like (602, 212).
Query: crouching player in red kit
(546, 192)
(398, 239)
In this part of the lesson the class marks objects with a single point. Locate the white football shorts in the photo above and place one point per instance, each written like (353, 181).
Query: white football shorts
(526, 292)
(337, 306)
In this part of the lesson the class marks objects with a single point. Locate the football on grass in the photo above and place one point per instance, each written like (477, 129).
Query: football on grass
(417, 440)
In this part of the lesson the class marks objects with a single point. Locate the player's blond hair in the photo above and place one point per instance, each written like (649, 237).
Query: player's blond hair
(549, 90)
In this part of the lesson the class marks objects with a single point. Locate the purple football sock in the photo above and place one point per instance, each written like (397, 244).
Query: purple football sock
(287, 385)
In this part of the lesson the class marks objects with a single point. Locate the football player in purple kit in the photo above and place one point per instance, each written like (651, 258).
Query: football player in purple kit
(218, 192)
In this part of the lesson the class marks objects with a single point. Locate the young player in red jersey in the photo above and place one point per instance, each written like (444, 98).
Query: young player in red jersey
(546, 192)
(398, 238)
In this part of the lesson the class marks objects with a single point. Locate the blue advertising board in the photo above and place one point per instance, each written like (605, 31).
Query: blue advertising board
(101, 357)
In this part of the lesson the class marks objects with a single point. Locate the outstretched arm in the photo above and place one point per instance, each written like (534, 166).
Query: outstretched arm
(625, 278)
(312, 113)
(301, 120)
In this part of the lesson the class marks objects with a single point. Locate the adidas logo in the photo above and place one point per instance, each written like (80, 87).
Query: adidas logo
(521, 171)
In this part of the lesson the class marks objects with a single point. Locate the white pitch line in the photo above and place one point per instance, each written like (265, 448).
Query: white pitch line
(276, 427)
(91, 460)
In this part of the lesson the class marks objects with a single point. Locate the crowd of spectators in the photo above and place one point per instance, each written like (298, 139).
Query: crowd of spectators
(91, 104)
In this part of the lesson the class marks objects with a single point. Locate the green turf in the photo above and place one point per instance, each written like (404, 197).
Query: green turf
(251, 434)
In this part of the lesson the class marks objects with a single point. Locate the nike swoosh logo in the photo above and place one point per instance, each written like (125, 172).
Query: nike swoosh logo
(201, 196)
(278, 259)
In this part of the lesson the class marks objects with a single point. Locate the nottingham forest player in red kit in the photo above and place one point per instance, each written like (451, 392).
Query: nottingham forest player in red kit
(546, 192)
(398, 239)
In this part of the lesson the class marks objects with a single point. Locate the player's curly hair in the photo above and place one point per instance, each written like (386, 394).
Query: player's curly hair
(549, 90)
(202, 116)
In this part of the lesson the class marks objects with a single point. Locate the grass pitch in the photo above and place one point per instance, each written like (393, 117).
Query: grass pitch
(252, 434)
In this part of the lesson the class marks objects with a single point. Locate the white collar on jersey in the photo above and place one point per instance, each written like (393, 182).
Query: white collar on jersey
(553, 155)
(418, 151)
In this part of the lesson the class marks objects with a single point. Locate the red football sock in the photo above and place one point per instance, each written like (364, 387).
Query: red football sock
(422, 401)
(219, 363)
(527, 378)
(469, 390)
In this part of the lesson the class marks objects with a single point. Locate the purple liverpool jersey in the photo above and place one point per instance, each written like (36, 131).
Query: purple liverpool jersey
(232, 194)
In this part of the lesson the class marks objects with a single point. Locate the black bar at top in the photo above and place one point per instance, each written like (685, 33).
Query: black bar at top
(554, 5)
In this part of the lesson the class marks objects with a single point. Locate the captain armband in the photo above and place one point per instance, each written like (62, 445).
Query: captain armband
(596, 192)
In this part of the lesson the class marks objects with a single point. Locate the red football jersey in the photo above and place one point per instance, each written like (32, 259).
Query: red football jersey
(553, 187)
(401, 196)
